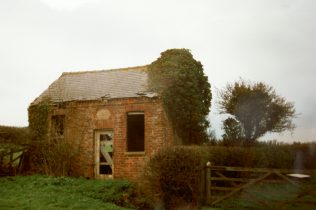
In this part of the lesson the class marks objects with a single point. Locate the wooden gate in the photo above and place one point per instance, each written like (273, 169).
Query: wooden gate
(222, 182)
(11, 159)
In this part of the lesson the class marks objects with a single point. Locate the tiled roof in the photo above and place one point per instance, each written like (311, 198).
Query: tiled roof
(95, 85)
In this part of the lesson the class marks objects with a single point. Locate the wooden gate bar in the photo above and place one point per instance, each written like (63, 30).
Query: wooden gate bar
(237, 184)
(240, 188)
(286, 178)
(7, 159)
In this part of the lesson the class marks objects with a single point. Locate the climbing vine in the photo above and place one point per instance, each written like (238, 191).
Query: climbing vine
(184, 88)
(38, 120)
(49, 154)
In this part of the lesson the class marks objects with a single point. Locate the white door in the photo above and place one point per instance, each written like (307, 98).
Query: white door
(103, 154)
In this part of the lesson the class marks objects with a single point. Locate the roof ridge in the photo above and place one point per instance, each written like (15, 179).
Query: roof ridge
(106, 70)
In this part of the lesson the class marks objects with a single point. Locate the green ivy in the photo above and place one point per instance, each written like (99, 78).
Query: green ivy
(38, 120)
(184, 88)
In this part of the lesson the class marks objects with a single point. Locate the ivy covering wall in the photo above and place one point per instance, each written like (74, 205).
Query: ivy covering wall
(38, 120)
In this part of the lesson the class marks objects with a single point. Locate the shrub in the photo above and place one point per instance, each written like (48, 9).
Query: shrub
(49, 154)
(173, 176)
(266, 155)
(51, 157)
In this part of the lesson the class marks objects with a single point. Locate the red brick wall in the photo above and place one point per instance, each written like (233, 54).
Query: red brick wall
(82, 119)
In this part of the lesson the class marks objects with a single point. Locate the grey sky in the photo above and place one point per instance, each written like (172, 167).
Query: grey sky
(259, 40)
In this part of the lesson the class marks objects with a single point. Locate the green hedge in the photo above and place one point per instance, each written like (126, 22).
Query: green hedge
(172, 178)
(16, 135)
(271, 155)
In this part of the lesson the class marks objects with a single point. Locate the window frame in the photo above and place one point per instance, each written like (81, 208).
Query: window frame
(57, 128)
(130, 149)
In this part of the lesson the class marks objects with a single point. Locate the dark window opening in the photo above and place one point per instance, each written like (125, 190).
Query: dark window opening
(58, 125)
(135, 132)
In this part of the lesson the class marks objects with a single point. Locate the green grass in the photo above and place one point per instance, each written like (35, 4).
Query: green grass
(54, 193)
(43, 192)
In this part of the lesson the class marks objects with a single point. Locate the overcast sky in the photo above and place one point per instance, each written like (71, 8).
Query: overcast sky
(259, 40)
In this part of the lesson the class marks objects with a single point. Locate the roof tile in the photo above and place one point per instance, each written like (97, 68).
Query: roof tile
(95, 85)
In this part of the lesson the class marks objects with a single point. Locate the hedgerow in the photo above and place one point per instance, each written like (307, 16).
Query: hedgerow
(266, 155)
(172, 177)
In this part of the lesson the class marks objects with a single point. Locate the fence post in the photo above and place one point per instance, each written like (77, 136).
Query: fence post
(202, 185)
(1, 158)
(208, 182)
(11, 157)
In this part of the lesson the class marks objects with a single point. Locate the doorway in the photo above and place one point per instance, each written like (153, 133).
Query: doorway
(104, 154)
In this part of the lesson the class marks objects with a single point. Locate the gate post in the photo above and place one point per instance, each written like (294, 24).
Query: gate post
(208, 182)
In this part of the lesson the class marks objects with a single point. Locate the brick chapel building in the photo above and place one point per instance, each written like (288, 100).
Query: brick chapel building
(110, 117)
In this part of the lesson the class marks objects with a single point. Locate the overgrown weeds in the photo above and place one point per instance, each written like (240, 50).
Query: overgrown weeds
(51, 158)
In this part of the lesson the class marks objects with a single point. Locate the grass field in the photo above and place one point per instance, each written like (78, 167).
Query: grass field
(42, 192)
(54, 193)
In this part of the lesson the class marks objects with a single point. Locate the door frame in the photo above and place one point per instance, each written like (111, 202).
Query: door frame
(97, 134)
